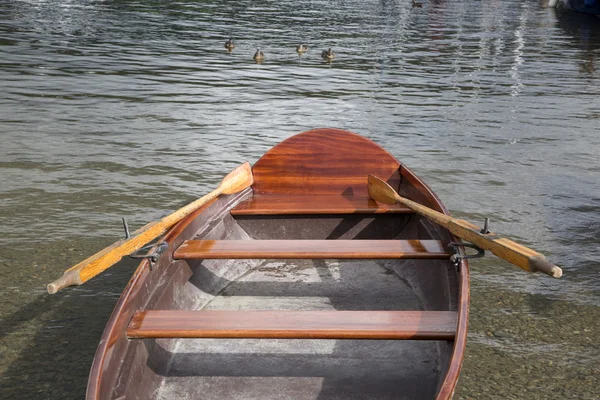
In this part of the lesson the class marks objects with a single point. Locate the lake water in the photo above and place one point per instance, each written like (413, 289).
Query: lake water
(118, 108)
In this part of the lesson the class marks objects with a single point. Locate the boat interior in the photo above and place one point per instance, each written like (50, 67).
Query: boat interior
(282, 292)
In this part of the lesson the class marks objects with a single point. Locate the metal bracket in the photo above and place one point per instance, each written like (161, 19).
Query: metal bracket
(152, 257)
(141, 253)
(126, 227)
(457, 257)
(486, 224)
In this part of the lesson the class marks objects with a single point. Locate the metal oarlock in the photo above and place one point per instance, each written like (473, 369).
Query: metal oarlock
(486, 224)
(140, 254)
(457, 257)
(126, 227)
(152, 257)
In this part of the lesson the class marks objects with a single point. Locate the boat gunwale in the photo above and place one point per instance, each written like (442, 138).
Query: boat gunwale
(448, 386)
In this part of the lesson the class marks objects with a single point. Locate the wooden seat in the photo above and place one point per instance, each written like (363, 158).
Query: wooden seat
(304, 249)
(277, 204)
(422, 325)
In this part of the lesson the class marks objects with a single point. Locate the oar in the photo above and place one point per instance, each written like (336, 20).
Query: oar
(506, 249)
(236, 181)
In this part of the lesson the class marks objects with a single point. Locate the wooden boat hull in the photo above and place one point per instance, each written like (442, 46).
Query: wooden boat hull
(309, 188)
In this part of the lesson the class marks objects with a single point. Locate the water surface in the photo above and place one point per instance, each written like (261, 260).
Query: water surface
(115, 108)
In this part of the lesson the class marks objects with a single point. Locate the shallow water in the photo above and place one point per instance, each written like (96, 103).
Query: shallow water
(113, 108)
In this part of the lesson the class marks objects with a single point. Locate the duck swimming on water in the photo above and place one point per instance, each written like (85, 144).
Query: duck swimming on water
(302, 48)
(259, 55)
(229, 45)
(417, 5)
(327, 54)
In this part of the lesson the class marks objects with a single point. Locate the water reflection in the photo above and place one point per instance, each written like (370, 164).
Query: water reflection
(585, 29)
(517, 87)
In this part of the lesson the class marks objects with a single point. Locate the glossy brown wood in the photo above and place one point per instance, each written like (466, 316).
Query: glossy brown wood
(290, 204)
(318, 249)
(113, 362)
(432, 325)
(460, 342)
(323, 161)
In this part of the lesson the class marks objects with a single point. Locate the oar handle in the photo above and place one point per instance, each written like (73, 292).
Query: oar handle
(506, 249)
(515, 253)
(106, 258)
(541, 264)
(69, 278)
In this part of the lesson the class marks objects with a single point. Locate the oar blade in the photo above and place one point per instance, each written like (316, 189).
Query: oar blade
(380, 191)
(237, 180)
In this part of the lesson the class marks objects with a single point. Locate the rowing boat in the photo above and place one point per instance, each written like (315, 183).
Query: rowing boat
(298, 287)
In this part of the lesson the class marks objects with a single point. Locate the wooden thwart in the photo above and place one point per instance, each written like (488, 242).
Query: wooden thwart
(417, 325)
(319, 249)
(274, 204)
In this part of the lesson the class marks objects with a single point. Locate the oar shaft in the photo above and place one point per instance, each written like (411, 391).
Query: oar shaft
(94, 265)
(236, 181)
(519, 255)
(506, 249)
(436, 216)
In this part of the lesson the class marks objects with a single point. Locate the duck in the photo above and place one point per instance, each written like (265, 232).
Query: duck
(415, 4)
(327, 54)
(229, 45)
(302, 48)
(259, 55)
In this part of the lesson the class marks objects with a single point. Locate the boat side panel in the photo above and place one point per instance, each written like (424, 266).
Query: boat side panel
(460, 342)
(181, 289)
(455, 282)
(144, 291)
(415, 189)
(452, 353)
